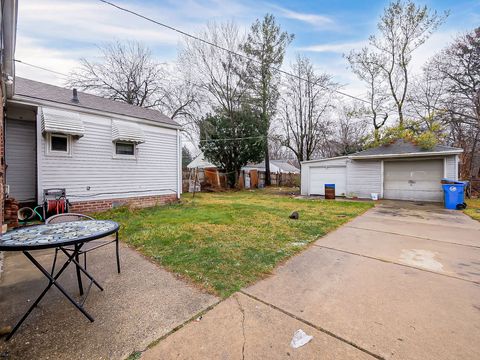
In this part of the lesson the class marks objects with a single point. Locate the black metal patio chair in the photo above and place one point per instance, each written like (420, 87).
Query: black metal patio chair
(93, 245)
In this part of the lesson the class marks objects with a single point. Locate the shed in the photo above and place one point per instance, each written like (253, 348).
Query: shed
(276, 166)
(400, 171)
(202, 174)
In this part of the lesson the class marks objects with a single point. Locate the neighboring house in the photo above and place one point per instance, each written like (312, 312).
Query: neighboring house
(102, 151)
(282, 173)
(276, 166)
(400, 171)
(8, 33)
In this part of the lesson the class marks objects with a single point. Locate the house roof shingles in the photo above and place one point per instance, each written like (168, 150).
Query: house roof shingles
(400, 147)
(41, 91)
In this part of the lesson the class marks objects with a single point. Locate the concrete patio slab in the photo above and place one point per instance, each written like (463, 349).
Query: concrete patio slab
(441, 257)
(243, 328)
(393, 311)
(137, 307)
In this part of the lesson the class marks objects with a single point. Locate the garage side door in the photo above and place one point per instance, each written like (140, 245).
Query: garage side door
(331, 175)
(413, 180)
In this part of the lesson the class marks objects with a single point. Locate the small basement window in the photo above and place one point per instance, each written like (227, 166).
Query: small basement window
(124, 148)
(58, 144)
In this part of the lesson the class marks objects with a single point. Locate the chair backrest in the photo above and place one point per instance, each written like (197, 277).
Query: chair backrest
(66, 217)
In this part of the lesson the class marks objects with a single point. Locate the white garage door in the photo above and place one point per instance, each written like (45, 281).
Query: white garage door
(413, 180)
(331, 175)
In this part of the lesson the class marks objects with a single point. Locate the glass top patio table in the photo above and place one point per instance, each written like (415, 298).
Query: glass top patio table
(56, 235)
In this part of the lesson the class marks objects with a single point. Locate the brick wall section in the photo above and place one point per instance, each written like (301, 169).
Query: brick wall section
(2, 159)
(85, 207)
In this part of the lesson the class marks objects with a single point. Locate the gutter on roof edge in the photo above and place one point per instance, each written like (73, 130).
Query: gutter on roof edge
(383, 156)
(325, 159)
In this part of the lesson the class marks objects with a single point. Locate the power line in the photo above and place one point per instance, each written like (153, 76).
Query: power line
(41, 68)
(227, 50)
(226, 139)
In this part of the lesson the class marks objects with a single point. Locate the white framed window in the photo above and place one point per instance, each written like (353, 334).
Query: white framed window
(125, 150)
(59, 144)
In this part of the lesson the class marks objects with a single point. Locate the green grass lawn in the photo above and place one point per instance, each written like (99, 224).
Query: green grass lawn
(224, 241)
(473, 208)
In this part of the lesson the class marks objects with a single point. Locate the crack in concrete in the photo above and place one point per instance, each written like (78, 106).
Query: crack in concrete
(242, 310)
(414, 236)
(133, 354)
(399, 264)
(319, 328)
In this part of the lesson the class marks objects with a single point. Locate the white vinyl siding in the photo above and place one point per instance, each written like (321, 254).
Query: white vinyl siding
(20, 157)
(413, 180)
(364, 178)
(153, 171)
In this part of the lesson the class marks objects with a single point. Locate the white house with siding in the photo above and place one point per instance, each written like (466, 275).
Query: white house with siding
(401, 171)
(103, 152)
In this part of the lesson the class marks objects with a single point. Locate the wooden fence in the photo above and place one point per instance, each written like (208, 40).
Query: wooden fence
(208, 180)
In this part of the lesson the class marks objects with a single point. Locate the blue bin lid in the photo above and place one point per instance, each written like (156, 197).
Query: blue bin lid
(330, 185)
(447, 187)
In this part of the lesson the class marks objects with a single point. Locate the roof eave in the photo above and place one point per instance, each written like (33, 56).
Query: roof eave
(27, 100)
(406, 155)
(325, 159)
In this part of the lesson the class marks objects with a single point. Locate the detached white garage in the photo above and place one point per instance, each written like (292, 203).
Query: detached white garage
(400, 171)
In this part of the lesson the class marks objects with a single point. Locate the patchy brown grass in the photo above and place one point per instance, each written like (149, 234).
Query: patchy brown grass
(225, 241)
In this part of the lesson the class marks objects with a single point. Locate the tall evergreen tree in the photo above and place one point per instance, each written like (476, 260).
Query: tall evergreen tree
(231, 140)
(265, 45)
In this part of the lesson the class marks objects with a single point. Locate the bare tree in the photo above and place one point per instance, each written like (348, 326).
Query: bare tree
(403, 27)
(214, 71)
(366, 65)
(304, 105)
(350, 130)
(458, 67)
(425, 99)
(127, 73)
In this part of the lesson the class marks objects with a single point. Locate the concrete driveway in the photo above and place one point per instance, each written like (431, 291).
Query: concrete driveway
(399, 282)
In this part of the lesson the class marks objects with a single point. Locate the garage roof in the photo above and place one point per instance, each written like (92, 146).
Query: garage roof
(398, 149)
(402, 148)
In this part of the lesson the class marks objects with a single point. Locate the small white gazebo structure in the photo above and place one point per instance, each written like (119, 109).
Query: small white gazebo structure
(202, 171)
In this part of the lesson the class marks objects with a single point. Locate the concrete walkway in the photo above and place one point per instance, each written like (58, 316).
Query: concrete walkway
(399, 282)
(137, 307)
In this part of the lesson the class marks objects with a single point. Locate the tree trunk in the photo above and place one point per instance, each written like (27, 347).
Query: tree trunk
(268, 180)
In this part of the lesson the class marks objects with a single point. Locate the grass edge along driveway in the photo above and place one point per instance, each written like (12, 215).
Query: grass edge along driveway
(225, 241)
(473, 208)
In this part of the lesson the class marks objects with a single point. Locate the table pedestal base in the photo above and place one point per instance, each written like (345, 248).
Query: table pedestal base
(72, 257)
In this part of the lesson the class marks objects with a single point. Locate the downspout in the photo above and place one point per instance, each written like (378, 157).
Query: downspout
(179, 164)
(39, 139)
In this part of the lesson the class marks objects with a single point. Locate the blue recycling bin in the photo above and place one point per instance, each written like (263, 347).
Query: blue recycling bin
(453, 194)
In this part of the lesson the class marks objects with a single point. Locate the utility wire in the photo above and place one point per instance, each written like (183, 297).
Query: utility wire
(227, 50)
(40, 67)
